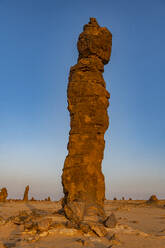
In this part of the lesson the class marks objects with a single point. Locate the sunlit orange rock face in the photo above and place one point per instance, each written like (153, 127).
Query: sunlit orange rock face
(3, 194)
(88, 100)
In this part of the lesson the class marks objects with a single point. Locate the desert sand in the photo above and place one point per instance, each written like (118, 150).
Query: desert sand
(139, 225)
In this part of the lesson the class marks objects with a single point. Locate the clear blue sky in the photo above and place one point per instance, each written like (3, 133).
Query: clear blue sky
(37, 47)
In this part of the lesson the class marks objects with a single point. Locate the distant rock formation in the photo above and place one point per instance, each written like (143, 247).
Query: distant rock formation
(25, 197)
(88, 100)
(3, 195)
(152, 199)
(47, 199)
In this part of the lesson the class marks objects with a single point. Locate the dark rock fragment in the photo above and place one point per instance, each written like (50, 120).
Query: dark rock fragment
(110, 221)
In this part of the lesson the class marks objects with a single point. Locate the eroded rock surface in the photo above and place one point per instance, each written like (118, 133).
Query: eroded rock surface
(88, 100)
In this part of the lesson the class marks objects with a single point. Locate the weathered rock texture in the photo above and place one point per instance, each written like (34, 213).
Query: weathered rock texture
(25, 197)
(3, 195)
(83, 181)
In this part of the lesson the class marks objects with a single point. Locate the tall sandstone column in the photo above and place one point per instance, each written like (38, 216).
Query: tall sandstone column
(26, 192)
(88, 100)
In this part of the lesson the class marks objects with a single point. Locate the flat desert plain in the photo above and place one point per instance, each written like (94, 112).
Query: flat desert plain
(38, 224)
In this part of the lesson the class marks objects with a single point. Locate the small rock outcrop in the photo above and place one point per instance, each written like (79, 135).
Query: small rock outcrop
(3, 195)
(88, 100)
(110, 221)
(48, 199)
(25, 197)
(153, 199)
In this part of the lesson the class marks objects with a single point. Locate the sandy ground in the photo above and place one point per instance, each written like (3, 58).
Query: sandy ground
(139, 225)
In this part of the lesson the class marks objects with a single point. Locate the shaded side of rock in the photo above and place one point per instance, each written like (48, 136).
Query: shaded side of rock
(110, 221)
